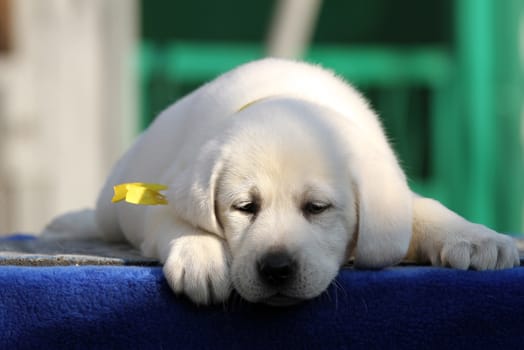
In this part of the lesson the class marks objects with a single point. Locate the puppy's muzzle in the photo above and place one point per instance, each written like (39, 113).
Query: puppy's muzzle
(276, 268)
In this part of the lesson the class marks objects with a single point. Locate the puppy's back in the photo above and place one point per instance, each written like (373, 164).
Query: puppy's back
(172, 142)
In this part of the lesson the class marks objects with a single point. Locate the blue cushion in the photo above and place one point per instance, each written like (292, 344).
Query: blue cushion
(132, 307)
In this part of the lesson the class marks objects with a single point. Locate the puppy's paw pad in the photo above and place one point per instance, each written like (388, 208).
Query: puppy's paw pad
(198, 266)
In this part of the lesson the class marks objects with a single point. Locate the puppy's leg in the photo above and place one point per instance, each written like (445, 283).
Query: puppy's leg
(73, 225)
(445, 239)
(196, 263)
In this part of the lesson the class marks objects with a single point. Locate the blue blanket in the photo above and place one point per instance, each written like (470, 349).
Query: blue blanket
(132, 307)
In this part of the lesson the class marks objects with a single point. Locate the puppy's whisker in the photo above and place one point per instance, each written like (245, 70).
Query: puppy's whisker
(339, 287)
(326, 294)
(235, 301)
(332, 300)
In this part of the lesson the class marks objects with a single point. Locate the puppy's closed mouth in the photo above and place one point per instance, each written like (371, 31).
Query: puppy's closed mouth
(281, 300)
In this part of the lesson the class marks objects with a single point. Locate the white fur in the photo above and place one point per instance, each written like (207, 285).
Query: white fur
(292, 133)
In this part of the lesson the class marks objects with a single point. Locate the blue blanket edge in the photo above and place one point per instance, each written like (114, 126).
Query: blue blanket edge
(133, 307)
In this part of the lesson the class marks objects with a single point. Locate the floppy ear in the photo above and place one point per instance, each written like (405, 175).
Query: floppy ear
(384, 211)
(192, 191)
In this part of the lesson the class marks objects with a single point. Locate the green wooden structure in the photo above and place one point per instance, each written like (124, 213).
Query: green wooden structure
(450, 98)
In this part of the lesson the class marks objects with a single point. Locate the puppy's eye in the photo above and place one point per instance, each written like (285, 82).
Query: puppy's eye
(250, 208)
(315, 208)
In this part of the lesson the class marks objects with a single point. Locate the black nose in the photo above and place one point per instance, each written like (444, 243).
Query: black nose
(276, 268)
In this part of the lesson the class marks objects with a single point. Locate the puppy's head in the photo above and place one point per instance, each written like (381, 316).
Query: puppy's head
(284, 203)
(284, 192)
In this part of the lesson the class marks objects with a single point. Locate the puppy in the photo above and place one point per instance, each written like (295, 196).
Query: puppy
(278, 173)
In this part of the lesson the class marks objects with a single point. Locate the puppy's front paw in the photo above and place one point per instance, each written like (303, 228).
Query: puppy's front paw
(198, 266)
(478, 248)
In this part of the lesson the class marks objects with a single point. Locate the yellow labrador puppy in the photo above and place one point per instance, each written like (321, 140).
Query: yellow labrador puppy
(278, 173)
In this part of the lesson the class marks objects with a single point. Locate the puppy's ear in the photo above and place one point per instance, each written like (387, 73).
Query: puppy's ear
(192, 190)
(384, 210)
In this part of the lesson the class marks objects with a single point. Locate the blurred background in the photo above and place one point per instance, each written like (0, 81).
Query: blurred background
(80, 78)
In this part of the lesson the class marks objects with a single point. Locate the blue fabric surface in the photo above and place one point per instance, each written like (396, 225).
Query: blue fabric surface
(132, 307)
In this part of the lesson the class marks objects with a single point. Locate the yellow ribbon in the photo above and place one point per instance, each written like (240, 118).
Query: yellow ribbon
(140, 193)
